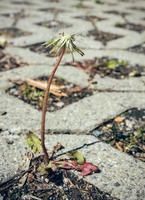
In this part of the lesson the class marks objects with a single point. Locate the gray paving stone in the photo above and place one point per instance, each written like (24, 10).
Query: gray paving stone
(126, 42)
(32, 39)
(28, 56)
(81, 116)
(126, 85)
(4, 22)
(132, 58)
(121, 175)
(11, 155)
(33, 71)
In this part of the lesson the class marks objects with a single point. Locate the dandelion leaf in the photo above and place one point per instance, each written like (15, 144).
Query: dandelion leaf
(34, 142)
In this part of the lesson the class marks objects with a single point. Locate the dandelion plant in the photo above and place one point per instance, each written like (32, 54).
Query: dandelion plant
(59, 46)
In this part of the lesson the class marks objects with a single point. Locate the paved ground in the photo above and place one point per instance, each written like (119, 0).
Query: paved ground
(121, 175)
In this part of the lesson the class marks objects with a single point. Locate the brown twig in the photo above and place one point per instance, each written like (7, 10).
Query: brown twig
(45, 104)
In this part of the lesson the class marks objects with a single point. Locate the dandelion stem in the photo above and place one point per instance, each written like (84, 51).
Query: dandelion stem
(45, 104)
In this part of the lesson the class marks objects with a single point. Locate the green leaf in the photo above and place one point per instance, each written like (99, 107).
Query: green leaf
(112, 64)
(34, 142)
(78, 156)
(42, 169)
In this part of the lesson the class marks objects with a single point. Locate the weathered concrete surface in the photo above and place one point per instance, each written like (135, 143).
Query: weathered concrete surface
(80, 116)
(126, 85)
(121, 175)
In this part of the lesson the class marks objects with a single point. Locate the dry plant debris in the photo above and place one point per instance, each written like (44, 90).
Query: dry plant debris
(106, 66)
(8, 62)
(62, 93)
(126, 132)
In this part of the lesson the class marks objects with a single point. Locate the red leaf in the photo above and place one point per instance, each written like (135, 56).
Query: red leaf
(70, 164)
(88, 168)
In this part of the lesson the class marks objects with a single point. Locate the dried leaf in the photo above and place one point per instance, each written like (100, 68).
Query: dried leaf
(75, 89)
(38, 84)
(88, 168)
(34, 142)
(78, 156)
(120, 146)
(133, 73)
(16, 81)
(53, 165)
(65, 164)
(119, 119)
(57, 148)
(143, 147)
(30, 178)
(54, 89)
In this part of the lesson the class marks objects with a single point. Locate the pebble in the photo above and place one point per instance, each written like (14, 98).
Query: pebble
(117, 184)
(14, 92)
(129, 124)
(97, 133)
(60, 104)
(9, 141)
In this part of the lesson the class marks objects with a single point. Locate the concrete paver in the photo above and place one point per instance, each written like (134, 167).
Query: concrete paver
(121, 175)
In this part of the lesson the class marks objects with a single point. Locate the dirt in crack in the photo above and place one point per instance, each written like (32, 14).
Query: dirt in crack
(52, 10)
(13, 32)
(89, 18)
(138, 48)
(62, 93)
(126, 132)
(138, 8)
(59, 185)
(101, 36)
(39, 48)
(8, 62)
(54, 24)
(106, 66)
(131, 26)
(115, 12)
(22, 3)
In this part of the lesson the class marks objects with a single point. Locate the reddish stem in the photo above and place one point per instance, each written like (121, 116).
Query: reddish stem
(45, 104)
